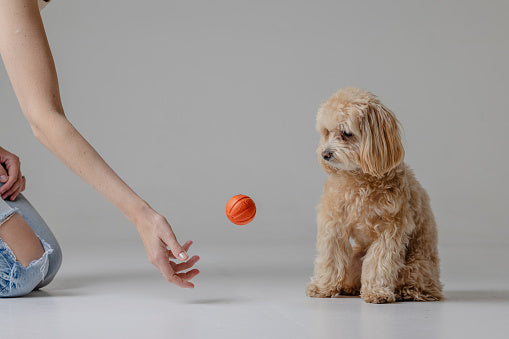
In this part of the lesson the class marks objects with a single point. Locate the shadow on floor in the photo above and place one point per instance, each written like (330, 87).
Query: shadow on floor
(214, 301)
(500, 296)
(77, 281)
(52, 293)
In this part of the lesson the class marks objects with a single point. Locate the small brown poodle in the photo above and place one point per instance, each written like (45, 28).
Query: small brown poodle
(377, 235)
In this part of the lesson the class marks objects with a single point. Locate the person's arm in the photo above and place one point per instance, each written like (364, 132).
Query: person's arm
(27, 57)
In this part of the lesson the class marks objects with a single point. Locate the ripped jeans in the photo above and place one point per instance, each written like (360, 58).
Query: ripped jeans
(16, 280)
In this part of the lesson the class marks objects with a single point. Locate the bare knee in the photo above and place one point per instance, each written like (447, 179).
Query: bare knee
(21, 239)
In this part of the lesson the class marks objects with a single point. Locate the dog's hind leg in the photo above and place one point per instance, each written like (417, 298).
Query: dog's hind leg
(419, 279)
(419, 282)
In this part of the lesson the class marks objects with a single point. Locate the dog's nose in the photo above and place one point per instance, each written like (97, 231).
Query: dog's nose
(327, 155)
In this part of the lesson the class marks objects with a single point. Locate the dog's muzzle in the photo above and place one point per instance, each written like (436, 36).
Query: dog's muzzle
(327, 155)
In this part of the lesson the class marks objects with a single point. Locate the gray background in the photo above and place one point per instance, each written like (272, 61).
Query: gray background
(192, 102)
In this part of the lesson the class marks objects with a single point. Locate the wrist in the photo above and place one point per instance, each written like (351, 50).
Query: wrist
(142, 214)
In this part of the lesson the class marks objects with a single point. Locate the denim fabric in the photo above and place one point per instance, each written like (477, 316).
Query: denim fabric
(6, 211)
(16, 280)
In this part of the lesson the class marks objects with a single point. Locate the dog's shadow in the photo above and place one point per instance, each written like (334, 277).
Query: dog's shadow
(468, 296)
(478, 296)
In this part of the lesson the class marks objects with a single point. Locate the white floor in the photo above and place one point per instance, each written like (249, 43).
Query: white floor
(241, 293)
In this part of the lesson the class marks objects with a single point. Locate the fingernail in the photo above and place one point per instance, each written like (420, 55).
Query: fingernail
(182, 255)
(3, 178)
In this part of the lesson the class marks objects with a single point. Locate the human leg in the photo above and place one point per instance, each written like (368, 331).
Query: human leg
(17, 280)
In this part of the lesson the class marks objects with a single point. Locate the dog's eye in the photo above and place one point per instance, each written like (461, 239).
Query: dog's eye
(345, 136)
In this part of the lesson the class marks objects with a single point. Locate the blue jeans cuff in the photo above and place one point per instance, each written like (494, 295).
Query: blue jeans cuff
(4, 216)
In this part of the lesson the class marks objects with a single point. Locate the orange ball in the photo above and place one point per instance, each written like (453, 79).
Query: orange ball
(240, 209)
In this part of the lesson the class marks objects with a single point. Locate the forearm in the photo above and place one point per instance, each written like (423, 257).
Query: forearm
(60, 137)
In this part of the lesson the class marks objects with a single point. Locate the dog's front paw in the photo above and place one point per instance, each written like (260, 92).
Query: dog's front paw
(378, 295)
(315, 291)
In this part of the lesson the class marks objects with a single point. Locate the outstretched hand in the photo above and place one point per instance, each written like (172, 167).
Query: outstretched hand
(157, 236)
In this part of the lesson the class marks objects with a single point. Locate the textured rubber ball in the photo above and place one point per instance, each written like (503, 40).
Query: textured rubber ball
(240, 209)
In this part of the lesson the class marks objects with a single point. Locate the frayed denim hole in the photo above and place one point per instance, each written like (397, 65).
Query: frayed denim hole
(17, 270)
(43, 259)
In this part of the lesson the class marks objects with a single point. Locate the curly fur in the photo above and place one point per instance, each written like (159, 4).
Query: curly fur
(377, 235)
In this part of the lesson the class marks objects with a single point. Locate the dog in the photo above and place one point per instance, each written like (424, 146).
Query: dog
(377, 235)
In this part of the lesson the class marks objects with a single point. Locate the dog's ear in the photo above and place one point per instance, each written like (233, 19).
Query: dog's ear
(381, 147)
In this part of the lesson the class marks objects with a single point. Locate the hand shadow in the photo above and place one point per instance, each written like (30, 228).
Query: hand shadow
(212, 301)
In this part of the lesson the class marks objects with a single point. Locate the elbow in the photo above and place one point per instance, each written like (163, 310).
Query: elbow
(43, 125)
(37, 132)
(38, 129)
